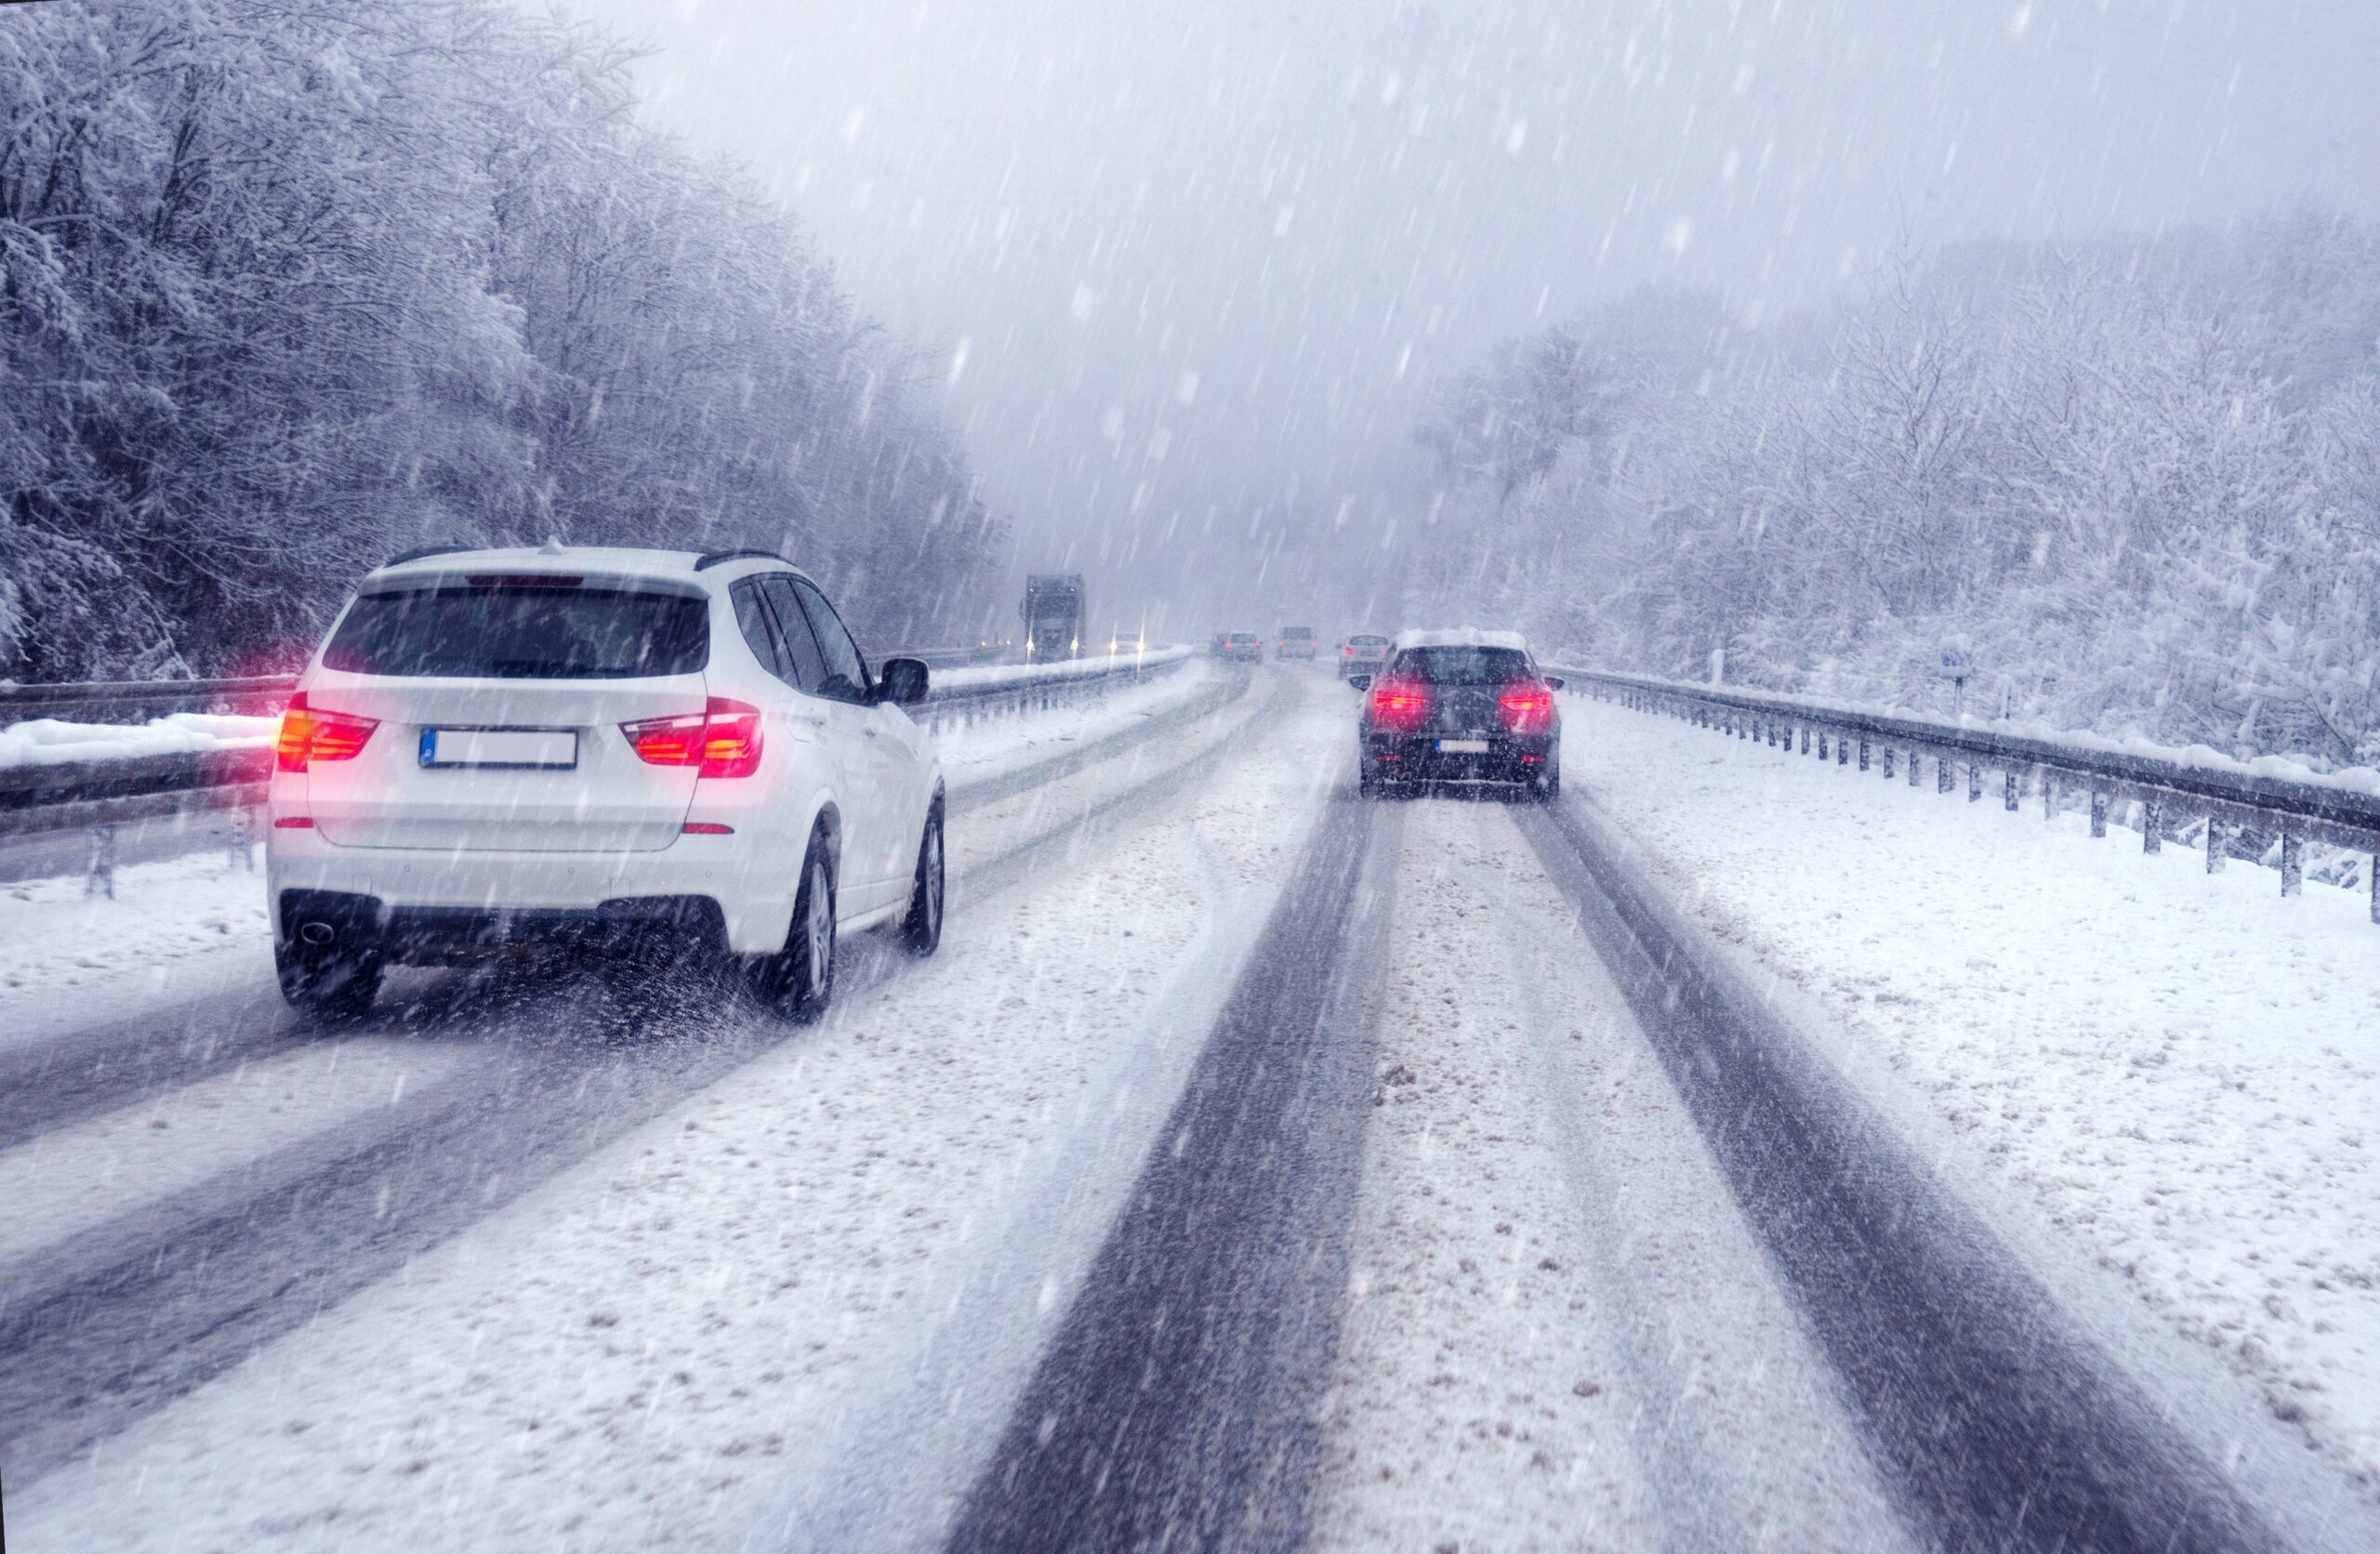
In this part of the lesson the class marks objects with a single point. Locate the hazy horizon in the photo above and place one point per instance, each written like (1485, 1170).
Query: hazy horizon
(1188, 270)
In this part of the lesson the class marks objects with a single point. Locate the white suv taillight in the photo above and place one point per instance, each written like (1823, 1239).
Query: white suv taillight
(310, 733)
(723, 739)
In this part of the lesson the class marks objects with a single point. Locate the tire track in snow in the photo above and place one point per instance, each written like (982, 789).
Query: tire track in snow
(2002, 1430)
(1175, 1405)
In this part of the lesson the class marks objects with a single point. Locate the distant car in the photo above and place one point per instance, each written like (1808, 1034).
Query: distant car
(1297, 641)
(600, 750)
(1468, 707)
(1362, 654)
(1124, 642)
(1244, 647)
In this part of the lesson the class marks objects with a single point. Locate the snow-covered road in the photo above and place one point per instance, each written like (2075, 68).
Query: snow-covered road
(1255, 1166)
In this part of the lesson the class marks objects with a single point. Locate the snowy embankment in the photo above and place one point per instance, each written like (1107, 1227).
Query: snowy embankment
(2174, 1068)
(994, 748)
(199, 921)
(984, 675)
(816, 1283)
(49, 742)
(2084, 742)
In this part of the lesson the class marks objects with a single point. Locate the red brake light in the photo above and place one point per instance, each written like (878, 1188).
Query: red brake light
(1399, 703)
(310, 733)
(723, 739)
(1529, 708)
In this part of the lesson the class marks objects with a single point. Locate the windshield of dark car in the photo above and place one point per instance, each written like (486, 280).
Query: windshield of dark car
(1464, 665)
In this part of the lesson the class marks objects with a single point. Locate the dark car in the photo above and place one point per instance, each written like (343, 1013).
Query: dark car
(1244, 647)
(1459, 707)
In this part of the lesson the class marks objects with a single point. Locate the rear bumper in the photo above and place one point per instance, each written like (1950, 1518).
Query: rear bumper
(1417, 758)
(335, 921)
(441, 890)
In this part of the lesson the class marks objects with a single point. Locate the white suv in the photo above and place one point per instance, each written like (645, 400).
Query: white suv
(570, 746)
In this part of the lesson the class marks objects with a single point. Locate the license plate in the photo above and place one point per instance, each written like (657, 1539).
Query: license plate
(544, 748)
(1463, 748)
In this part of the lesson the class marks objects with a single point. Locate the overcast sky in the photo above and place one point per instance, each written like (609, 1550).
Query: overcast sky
(1190, 262)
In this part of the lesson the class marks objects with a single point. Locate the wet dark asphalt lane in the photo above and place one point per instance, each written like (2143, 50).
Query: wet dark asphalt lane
(1175, 1407)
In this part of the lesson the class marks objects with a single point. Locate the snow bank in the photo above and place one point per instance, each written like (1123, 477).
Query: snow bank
(2307, 770)
(48, 742)
(2173, 1067)
(1074, 668)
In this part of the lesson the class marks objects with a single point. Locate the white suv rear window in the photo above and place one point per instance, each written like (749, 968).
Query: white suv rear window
(522, 632)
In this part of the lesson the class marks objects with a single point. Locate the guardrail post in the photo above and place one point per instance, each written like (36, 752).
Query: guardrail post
(2049, 797)
(1843, 749)
(1974, 783)
(2008, 791)
(100, 880)
(2292, 863)
(1913, 763)
(2375, 887)
(2217, 835)
(1944, 774)
(239, 849)
(1806, 739)
(1888, 763)
(2152, 814)
(1863, 752)
(2098, 813)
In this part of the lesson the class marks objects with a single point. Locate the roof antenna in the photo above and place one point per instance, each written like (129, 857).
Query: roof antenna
(552, 546)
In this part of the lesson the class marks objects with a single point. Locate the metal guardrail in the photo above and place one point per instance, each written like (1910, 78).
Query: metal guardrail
(2233, 808)
(58, 796)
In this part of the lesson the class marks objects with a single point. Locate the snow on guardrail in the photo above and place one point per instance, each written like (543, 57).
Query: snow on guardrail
(50, 742)
(57, 773)
(2266, 809)
(995, 676)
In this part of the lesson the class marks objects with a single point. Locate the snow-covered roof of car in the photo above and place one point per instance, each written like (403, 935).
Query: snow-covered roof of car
(1462, 637)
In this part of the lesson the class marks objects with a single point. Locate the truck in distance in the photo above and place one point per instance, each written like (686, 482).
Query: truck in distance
(1053, 616)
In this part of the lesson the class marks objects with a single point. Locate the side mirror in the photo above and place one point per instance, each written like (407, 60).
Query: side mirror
(902, 681)
(1361, 682)
(1554, 682)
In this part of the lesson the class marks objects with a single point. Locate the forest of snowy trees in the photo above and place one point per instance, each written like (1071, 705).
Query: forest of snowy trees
(287, 285)
(2138, 483)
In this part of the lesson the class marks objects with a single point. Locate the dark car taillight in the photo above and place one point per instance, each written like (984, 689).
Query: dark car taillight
(1399, 705)
(1528, 708)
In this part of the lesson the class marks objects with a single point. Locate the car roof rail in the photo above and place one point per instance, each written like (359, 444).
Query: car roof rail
(717, 558)
(425, 553)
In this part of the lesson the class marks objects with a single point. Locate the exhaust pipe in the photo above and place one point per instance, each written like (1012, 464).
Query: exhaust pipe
(317, 934)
